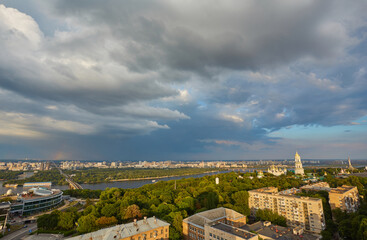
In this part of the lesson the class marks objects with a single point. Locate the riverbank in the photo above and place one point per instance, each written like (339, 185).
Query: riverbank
(153, 178)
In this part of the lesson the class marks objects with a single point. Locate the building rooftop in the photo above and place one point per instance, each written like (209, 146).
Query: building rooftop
(286, 193)
(35, 193)
(244, 234)
(266, 190)
(202, 218)
(317, 186)
(342, 189)
(123, 230)
(37, 183)
(290, 191)
(277, 232)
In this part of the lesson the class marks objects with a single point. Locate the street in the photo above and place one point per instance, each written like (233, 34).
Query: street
(21, 233)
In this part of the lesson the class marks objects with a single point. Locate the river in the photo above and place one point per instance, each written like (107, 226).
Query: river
(122, 184)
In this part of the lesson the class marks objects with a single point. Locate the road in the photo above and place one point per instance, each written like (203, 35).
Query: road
(73, 185)
(18, 235)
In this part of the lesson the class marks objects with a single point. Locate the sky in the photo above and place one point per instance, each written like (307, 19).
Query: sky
(183, 80)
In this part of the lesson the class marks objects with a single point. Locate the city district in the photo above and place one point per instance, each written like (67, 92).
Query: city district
(303, 214)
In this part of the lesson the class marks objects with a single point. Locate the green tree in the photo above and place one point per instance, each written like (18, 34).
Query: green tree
(326, 235)
(106, 221)
(174, 234)
(362, 231)
(132, 211)
(188, 203)
(240, 201)
(87, 223)
(109, 210)
(48, 221)
(177, 221)
(268, 215)
(66, 220)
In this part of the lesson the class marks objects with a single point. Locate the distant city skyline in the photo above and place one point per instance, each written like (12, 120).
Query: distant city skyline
(158, 80)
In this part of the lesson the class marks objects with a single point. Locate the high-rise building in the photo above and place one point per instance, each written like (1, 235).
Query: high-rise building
(221, 224)
(304, 212)
(298, 165)
(345, 197)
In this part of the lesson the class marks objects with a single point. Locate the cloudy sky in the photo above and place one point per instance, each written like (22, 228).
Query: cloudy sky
(160, 80)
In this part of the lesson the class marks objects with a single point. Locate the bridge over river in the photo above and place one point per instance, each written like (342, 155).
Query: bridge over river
(72, 184)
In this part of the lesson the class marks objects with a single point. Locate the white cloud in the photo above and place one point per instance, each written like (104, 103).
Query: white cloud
(30, 125)
(232, 118)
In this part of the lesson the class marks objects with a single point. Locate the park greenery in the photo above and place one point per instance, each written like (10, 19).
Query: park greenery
(9, 175)
(172, 201)
(99, 175)
(171, 204)
(52, 175)
(83, 193)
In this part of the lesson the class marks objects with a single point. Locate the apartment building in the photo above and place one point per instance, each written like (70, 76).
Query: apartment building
(320, 186)
(345, 197)
(148, 228)
(193, 227)
(304, 212)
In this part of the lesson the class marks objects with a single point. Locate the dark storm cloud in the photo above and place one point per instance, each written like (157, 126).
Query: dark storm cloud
(195, 37)
(232, 71)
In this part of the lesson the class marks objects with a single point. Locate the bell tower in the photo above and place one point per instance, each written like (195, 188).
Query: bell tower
(298, 165)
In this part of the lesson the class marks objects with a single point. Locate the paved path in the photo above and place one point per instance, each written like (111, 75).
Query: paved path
(18, 235)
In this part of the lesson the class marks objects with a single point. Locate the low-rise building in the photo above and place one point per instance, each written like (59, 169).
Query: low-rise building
(193, 227)
(304, 212)
(345, 197)
(146, 229)
(36, 200)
